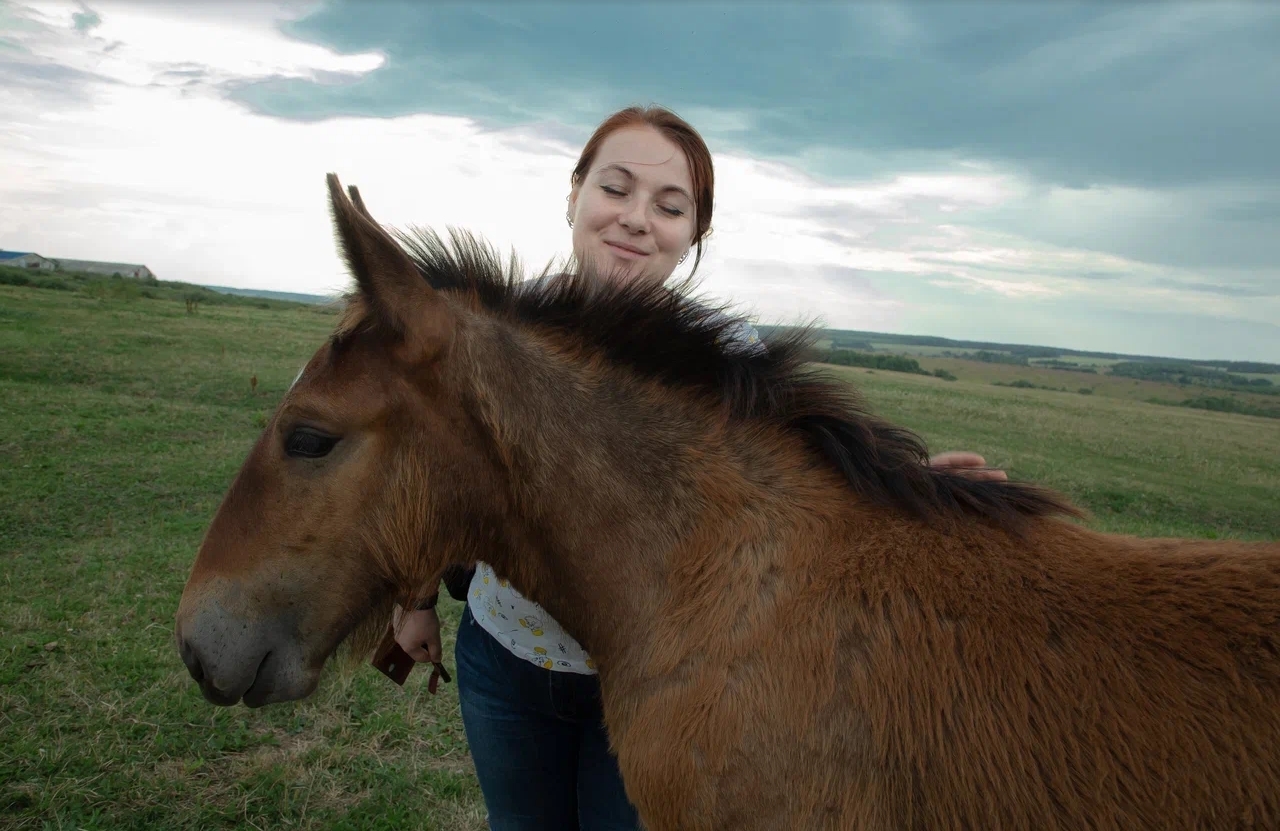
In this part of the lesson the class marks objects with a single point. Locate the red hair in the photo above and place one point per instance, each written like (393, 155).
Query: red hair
(680, 133)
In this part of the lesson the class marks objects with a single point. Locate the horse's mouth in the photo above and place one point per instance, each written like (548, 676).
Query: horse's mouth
(259, 691)
(216, 696)
(255, 695)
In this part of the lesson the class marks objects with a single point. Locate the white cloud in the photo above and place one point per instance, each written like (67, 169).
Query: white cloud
(134, 40)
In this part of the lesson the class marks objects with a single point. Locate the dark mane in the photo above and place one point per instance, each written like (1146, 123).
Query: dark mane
(664, 335)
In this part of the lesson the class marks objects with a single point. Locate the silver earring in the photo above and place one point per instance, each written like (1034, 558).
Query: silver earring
(568, 219)
(685, 257)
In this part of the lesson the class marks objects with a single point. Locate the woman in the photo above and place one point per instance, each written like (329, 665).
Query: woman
(640, 198)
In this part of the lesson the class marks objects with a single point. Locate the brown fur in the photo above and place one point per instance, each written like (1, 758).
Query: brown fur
(797, 623)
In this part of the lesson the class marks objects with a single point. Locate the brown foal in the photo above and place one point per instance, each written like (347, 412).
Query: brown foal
(797, 623)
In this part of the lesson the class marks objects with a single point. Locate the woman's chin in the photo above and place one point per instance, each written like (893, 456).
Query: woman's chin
(621, 269)
(618, 270)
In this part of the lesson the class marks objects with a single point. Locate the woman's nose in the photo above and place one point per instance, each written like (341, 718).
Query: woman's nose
(634, 219)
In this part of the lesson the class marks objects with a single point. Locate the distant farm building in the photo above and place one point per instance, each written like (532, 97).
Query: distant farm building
(27, 259)
(108, 269)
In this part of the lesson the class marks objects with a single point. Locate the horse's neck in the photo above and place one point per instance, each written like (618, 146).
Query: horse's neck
(609, 481)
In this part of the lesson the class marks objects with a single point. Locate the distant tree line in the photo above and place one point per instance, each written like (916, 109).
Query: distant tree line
(1071, 366)
(1028, 351)
(1226, 404)
(988, 357)
(1186, 374)
(1244, 366)
(129, 288)
(889, 363)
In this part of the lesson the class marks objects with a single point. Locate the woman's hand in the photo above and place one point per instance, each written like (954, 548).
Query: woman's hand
(420, 635)
(967, 464)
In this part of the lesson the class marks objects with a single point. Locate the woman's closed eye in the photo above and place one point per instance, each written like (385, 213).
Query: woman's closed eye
(669, 210)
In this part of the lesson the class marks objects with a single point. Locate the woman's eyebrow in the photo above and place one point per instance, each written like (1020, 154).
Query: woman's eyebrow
(668, 188)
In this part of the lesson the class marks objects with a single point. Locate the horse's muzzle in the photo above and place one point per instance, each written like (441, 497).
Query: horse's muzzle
(233, 659)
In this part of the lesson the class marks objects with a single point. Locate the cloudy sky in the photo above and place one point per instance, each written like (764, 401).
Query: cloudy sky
(1092, 175)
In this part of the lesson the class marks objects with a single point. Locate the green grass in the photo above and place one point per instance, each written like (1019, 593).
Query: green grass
(127, 288)
(1139, 468)
(1102, 383)
(125, 419)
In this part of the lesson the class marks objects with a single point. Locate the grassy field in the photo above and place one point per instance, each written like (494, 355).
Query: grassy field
(1102, 384)
(924, 351)
(1091, 374)
(126, 418)
(1242, 387)
(125, 421)
(1139, 468)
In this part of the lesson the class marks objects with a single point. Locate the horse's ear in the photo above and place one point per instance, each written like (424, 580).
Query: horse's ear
(388, 280)
(358, 202)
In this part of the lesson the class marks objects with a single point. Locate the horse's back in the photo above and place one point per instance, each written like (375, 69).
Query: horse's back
(1082, 680)
(1067, 679)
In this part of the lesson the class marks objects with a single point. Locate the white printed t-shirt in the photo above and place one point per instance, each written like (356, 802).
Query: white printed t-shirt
(524, 627)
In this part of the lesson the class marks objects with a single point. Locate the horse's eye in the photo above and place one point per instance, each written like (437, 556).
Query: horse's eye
(305, 443)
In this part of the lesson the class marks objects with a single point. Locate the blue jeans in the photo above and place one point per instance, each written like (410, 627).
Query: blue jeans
(538, 740)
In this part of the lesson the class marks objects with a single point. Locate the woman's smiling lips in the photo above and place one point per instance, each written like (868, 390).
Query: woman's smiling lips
(626, 250)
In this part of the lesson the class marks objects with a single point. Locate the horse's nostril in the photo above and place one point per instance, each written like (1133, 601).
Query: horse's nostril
(192, 661)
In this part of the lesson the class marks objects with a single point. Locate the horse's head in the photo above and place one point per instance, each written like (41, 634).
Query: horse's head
(354, 496)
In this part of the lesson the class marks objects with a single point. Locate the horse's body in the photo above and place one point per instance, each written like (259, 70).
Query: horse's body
(922, 681)
(797, 625)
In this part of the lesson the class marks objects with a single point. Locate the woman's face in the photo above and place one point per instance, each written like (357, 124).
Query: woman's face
(633, 211)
